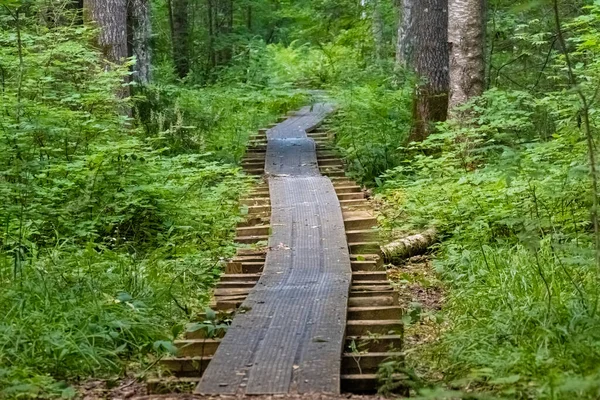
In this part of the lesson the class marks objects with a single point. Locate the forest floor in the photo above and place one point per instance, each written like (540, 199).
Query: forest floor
(419, 289)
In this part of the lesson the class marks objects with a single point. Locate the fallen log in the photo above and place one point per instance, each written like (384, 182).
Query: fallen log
(404, 248)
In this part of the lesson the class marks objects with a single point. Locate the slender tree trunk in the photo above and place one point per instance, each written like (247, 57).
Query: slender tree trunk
(406, 33)
(111, 17)
(140, 35)
(466, 37)
(212, 55)
(180, 37)
(425, 50)
(378, 27)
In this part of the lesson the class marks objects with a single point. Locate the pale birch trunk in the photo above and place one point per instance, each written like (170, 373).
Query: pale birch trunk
(406, 34)
(466, 36)
(141, 33)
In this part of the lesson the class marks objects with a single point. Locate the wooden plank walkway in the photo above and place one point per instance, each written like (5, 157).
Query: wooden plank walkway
(291, 336)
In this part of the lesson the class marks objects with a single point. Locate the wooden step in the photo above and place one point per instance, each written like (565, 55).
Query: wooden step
(351, 196)
(255, 257)
(259, 209)
(367, 257)
(236, 285)
(359, 276)
(356, 300)
(362, 235)
(240, 277)
(186, 366)
(364, 248)
(386, 292)
(244, 267)
(356, 223)
(377, 313)
(366, 266)
(331, 173)
(256, 219)
(197, 347)
(251, 239)
(253, 230)
(355, 203)
(366, 363)
(347, 189)
(377, 343)
(373, 327)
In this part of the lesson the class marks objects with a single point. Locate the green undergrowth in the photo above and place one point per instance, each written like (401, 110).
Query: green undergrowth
(509, 190)
(511, 204)
(112, 228)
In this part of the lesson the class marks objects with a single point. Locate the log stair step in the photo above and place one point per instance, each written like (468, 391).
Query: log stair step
(366, 363)
(376, 343)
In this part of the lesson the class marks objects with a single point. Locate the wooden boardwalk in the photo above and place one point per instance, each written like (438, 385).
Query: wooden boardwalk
(290, 337)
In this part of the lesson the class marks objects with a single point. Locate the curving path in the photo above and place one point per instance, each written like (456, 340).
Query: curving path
(290, 337)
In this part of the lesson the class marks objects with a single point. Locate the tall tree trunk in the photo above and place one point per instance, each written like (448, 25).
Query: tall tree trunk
(406, 34)
(466, 36)
(423, 47)
(212, 55)
(111, 17)
(140, 35)
(378, 27)
(180, 38)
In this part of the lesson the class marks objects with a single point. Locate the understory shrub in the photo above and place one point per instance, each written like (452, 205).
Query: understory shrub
(512, 206)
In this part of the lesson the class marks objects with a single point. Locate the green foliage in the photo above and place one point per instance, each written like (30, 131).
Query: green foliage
(518, 250)
(373, 122)
(112, 234)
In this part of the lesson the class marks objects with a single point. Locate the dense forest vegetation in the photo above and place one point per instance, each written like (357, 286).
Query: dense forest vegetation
(123, 123)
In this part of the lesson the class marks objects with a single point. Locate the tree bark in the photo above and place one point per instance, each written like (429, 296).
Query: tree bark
(466, 37)
(429, 60)
(406, 34)
(378, 27)
(141, 33)
(179, 37)
(407, 247)
(111, 17)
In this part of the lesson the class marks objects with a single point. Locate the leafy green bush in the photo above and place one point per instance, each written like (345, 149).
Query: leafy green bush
(372, 123)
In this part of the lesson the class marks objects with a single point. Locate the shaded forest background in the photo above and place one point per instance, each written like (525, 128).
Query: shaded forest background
(119, 176)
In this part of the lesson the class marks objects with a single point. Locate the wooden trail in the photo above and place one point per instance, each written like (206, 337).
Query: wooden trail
(290, 337)
(311, 312)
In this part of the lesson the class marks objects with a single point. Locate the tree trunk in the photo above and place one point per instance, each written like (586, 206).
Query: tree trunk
(428, 26)
(406, 34)
(378, 27)
(407, 247)
(111, 17)
(466, 36)
(140, 34)
(179, 37)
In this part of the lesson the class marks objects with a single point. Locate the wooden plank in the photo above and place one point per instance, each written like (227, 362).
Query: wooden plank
(292, 332)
